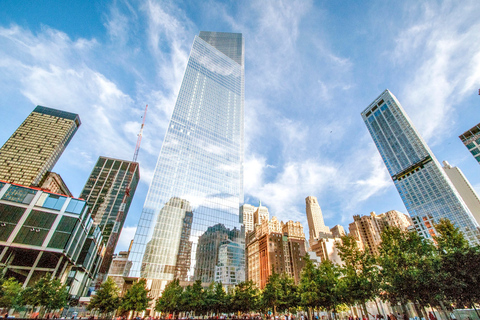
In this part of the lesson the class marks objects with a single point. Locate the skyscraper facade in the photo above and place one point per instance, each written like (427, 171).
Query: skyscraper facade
(471, 140)
(421, 182)
(316, 225)
(110, 182)
(198, 180)
(34, 148)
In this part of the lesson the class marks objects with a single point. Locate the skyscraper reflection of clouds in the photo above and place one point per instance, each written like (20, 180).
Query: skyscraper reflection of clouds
(424, 187)
(197, 187)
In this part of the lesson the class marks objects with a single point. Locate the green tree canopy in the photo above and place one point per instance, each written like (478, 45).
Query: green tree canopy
(106, 299)
(169, 301)
(245, 297)
(10, 293)
(137, 297)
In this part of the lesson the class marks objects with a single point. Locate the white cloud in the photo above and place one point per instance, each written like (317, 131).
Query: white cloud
(442, 45)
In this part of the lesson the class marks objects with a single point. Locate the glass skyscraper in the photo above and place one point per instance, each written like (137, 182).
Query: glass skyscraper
(197, 185)
(424, 187)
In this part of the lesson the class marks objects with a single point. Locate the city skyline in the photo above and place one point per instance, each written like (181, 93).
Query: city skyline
(310, 69)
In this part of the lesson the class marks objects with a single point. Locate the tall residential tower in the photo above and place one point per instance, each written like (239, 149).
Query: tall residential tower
(316, 225)
(421, 182)
(197, 185)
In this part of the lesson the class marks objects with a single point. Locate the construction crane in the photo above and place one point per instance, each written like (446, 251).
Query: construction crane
(139, 139)
(112, 241)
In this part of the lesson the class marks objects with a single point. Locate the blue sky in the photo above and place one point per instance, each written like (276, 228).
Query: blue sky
(311, 68)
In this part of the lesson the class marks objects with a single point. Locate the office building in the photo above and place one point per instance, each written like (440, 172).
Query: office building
(277, 246)
(326, 248)
(316, 225)
(367, 230)
(250, 216)
(43, 232)
(471, 139)
(108, 192)
(421, 182)
(34, 148)
(200, 163)
(338, 231)
(464, 188)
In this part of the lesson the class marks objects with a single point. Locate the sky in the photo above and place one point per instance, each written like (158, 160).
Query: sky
(311, 67)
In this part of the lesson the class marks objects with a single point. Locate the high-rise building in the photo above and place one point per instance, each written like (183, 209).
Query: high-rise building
(316, 225)
(34, 148)
(471, 139)
(200, 163)
(367, 229)
(109, 191)
(277, 246)
(250, 216)
(421, 182)
(464, 188)
(338, 231)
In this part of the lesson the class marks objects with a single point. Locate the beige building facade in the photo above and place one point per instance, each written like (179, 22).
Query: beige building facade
(34, 148)
(464, 188)
(252, 215)
(277, 246)
(367, 229)
(316, 225)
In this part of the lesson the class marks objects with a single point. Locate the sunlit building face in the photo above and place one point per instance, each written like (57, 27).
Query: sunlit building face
(197, 187)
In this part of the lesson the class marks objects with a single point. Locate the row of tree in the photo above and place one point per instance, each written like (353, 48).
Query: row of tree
(107, 299)
(441, 273)
(47, 293)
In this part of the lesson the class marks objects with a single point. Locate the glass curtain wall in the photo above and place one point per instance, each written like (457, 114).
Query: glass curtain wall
(197, 186)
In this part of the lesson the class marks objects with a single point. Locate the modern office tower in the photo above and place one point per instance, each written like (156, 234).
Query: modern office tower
(201, 161)
(42, 232)
(36, 145)
(276, 246)
(109, 191)
(316, 226)
(338, 231)
(421, 182)
(471, 139)
(250, 216)
(464, 188)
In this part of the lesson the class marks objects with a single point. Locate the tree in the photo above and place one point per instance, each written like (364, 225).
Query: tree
(308, 287)
(106, 299)
(47, 293)
(272, 295)
(169, 301)
(459, 266)
(10, 293)
(408, 270)
(291, 298)
(330, 289)
(245, 297)
(137, 297)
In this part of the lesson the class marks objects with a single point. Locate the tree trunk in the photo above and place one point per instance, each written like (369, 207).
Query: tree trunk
(444, 310)
(404, 308)
(364, 306)
(417, 310)
(310, 313)
(376, 304)
(473, 305)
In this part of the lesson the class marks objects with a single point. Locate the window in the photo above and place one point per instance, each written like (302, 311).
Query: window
(75, 206)
(51, 201)
(471, 145)
(475, 151)
(9, 217)
(63, 232)
(36, 227)
(19, 194)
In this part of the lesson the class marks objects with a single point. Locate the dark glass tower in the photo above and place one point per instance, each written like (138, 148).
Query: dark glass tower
(110, 182)
(421, 182)
(198, 179)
